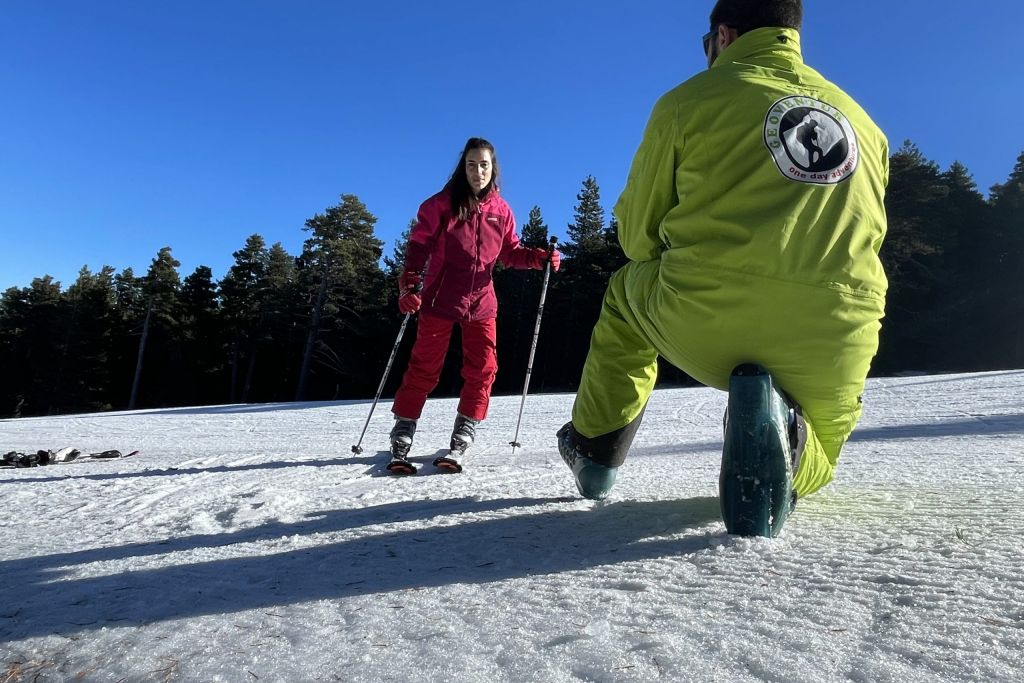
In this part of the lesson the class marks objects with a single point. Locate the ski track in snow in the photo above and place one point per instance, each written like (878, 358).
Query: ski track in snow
(248, 543)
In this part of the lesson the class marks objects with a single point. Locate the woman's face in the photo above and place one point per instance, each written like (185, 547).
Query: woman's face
(479, 168)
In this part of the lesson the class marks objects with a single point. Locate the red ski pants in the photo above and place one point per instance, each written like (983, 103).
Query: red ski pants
(479, 365)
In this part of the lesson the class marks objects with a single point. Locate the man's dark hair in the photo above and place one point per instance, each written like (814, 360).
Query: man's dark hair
(746, 15)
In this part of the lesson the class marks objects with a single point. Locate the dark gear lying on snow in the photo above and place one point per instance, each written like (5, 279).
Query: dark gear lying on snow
(62, 455)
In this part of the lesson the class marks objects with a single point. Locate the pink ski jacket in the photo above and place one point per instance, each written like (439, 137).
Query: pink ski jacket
(459, 256)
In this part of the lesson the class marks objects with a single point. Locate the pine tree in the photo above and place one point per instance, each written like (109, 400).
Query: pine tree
(282, 311)
(911, 201)
(585, 232)
(129, 295)
(518, 293)
(393, 267)
(199, 300)
(575, 295)
(243, 290)
(85, 366)
(911, 255)
(161, 288)
(535, 231)
(202, 335)
(1010, 195)
(960, 317)
(199, 294)
(1007, 260)
(343, 276)
(12, 329)
(32, 344)
(395, 264)
(129, 315)
(613, 255)
(241, 286)
(162, 320)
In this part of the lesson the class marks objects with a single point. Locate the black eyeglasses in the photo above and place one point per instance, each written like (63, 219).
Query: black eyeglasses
(709, 36)
(707, 39)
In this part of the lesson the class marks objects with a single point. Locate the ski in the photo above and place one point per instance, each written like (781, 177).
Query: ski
(453, 460)
(400, 466)
(61, 456)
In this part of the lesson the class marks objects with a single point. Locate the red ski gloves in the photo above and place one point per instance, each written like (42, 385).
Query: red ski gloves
(409, 292)
(541, 256)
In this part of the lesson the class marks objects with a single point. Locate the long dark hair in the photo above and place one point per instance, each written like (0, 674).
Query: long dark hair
(464, 202)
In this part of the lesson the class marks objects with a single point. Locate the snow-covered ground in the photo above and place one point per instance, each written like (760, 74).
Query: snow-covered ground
(247, 543)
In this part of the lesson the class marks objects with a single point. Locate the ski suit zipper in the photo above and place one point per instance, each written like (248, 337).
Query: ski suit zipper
(440, 283)
(476, 257)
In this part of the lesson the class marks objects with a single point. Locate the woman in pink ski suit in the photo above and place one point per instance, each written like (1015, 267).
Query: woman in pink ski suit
(460, 233)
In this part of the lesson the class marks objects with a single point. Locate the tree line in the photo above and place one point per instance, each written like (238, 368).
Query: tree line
(320, 325)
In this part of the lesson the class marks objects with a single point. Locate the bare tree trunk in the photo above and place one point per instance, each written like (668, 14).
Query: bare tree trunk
(138, 362)
(314, 330)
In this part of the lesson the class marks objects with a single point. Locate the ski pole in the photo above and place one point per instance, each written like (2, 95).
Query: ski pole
(357, 449)
(533, 345)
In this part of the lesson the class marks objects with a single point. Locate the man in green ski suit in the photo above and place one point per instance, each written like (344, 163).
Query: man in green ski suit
(752, 219)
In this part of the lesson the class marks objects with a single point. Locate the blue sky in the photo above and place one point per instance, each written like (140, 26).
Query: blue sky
(128, 126)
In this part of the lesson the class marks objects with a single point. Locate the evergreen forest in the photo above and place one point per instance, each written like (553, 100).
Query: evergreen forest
(321, 324)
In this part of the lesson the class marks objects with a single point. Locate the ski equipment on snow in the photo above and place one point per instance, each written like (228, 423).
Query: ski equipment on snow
(463, 433)
(463, 436)
(450, 462)
(401, 443)
(358, 448)
(533, 345)
(400, 465)
(401, 436)
(593, 480)
(756, 480)
(60, 456)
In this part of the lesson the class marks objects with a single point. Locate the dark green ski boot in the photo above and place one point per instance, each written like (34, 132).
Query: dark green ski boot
(593, 480)
(756, 482)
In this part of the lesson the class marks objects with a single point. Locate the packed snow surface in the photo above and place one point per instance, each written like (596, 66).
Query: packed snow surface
(248, 543)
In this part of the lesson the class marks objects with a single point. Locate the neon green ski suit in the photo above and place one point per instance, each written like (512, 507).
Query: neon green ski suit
(752, 218)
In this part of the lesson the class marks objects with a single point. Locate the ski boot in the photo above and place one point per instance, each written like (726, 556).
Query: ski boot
(463, 435)
(593, 480)
(37, 459)
(66, 454)
(758, 459)
(401, 443)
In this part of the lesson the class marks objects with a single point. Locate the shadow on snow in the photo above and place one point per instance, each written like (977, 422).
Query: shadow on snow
(975, 426)
(35, 599)
(381, 460)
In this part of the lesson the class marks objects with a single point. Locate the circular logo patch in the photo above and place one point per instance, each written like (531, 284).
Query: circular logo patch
(811, 142)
